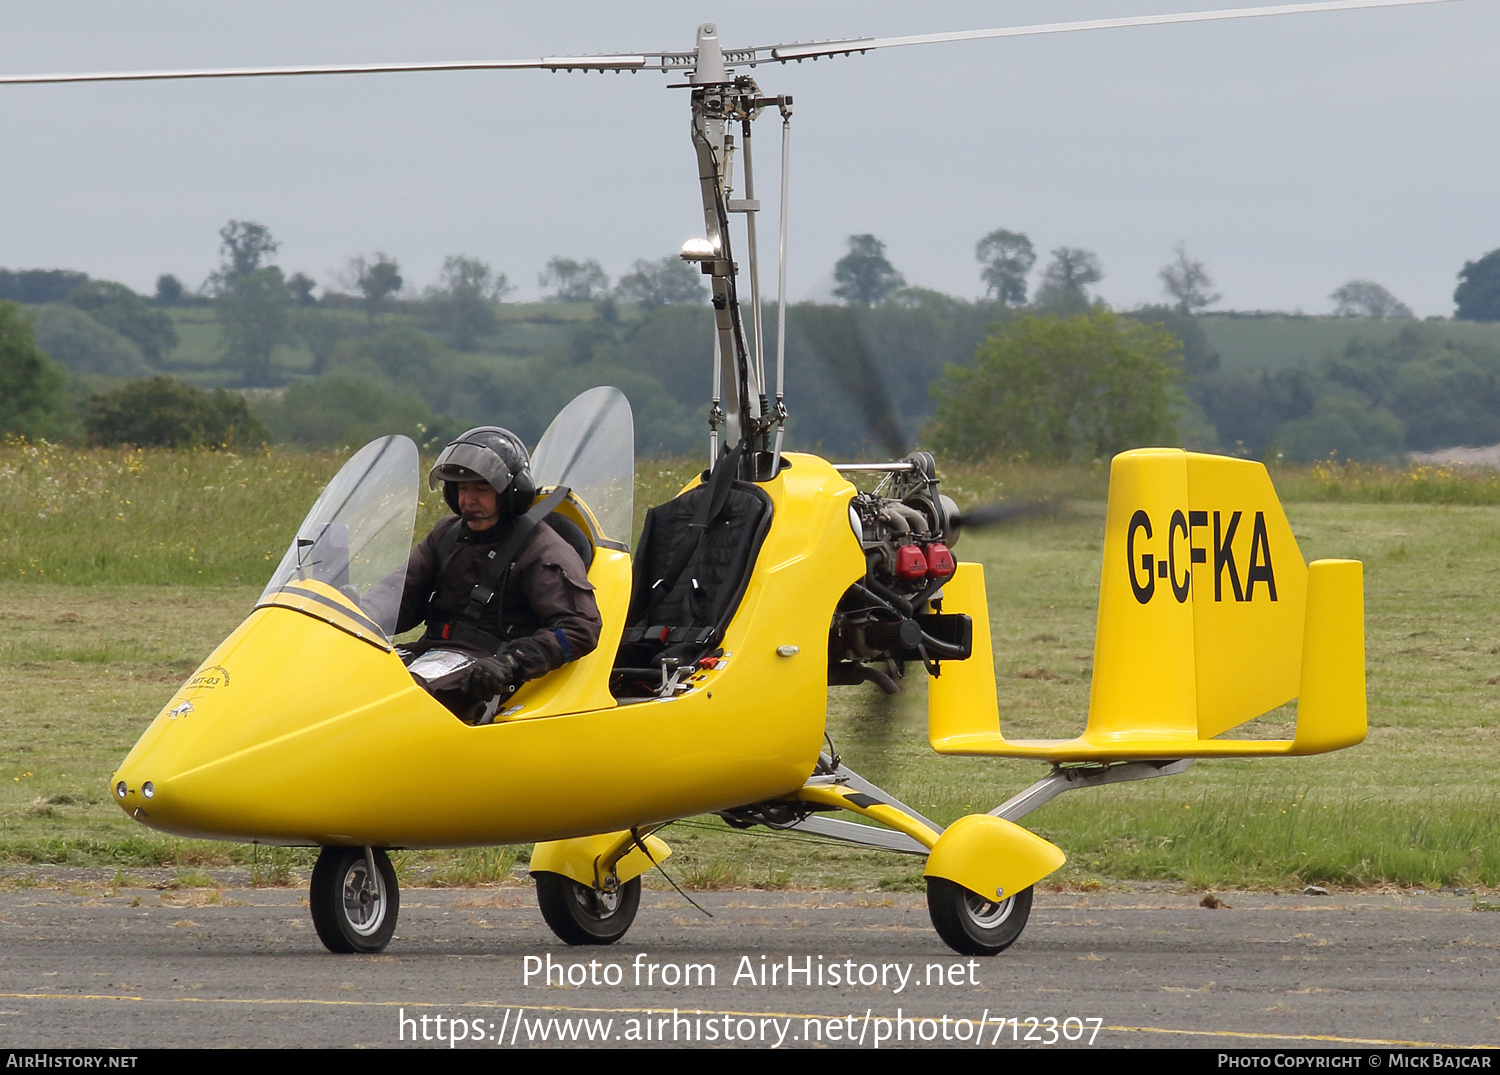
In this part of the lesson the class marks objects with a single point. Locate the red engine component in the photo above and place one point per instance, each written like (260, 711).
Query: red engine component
(910, 563)
(940, 561)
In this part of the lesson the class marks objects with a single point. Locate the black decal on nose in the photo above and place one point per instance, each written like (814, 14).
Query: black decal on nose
(1260, 560)
(1143, 589)
(1224, 557)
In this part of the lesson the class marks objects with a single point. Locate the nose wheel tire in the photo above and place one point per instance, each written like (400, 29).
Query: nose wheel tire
(580, 914)
(972, 925)
(352, 909)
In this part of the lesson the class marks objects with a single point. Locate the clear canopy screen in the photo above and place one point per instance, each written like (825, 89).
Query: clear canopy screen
(590, 448)
(358, 534)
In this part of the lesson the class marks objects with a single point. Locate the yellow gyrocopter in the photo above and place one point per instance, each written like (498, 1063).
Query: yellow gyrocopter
(305, 727)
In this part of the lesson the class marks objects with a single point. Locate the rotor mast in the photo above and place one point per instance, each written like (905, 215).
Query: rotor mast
(740, 405)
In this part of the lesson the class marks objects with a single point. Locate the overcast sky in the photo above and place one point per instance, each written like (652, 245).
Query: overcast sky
(1290, 155)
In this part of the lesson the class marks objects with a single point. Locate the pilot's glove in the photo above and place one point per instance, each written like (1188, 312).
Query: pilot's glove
(489, 676)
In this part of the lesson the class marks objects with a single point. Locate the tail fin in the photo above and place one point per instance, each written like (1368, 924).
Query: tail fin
(1208, 617)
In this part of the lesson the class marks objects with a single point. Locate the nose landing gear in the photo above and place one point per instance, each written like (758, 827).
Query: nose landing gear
(354, 899)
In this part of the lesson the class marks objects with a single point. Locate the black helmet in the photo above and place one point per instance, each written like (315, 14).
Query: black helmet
(487, 454)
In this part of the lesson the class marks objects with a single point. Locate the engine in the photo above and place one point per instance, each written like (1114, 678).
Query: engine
(907, 530)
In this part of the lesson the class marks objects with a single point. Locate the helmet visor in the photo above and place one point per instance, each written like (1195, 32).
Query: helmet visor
(464, 462)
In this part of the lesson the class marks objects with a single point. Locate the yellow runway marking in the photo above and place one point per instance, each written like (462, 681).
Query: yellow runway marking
(1296, 1037)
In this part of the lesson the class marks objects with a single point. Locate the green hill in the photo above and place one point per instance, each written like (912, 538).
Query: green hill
(1274, 341)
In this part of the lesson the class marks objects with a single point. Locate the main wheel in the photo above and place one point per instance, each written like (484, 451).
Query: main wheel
(352, 910)
(972, 925)
(579, 914)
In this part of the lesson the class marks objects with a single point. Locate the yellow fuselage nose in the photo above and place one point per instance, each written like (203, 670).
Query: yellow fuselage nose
(298, 730)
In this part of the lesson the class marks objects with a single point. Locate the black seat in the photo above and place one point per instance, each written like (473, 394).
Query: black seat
(573, 534)
(692, 568)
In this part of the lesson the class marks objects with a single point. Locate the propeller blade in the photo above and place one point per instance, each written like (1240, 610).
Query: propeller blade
(834, 337)
(1005, 512)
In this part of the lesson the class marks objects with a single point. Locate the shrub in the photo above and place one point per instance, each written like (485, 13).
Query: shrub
(163, 413)
(84, 345)
(1050, 387)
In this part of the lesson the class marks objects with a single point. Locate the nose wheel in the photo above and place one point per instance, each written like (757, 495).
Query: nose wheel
(354, 907)
(580, 914)
(972, 925)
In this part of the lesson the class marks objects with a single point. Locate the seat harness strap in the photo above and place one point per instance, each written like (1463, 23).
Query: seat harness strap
(466, 625)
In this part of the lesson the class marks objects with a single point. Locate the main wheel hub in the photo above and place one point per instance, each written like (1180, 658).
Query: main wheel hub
(364, 900)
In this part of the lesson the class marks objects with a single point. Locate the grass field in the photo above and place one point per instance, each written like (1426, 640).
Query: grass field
(119, 571)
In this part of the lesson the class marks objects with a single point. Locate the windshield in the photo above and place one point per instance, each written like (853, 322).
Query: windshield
(590, 448)
(359, 532)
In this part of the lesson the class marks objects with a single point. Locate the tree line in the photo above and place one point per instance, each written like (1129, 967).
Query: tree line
(1041, 370)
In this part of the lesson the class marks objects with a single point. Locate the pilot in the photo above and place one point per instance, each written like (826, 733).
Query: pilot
(493, 582)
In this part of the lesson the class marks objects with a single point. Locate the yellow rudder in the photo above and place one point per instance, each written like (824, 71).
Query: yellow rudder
(1208, 618)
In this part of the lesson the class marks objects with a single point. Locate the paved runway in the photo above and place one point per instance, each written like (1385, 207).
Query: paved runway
(87, 966)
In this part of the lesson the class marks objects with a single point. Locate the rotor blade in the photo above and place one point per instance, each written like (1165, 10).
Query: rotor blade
(785, 53)
(555, 63)
(686, 62)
